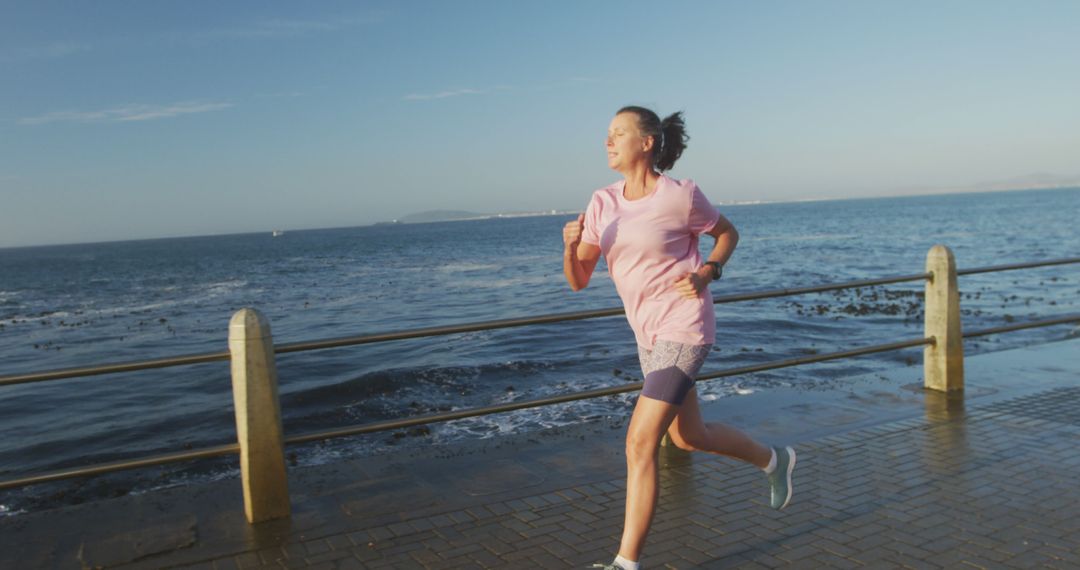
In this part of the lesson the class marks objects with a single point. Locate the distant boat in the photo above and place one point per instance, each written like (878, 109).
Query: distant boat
(278, 233)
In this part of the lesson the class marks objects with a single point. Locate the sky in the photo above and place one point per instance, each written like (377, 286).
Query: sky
(132, 120)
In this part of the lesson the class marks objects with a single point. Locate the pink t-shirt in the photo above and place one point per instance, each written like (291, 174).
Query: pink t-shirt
(649, 244)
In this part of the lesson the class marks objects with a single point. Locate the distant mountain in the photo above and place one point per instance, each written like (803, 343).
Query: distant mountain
(440, 216)
(457, 215)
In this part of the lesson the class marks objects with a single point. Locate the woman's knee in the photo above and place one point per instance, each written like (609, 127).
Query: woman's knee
(641, 446)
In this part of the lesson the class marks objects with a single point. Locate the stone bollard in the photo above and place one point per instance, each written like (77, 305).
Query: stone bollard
(943, 361)
(258, 417)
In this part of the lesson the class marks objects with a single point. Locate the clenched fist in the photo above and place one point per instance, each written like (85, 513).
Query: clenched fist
(571, 233)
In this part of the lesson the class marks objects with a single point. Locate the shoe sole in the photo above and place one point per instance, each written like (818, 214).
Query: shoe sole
(790, 468)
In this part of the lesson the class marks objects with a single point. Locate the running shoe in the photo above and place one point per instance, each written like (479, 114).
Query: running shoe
(780, 478)
(612, 566)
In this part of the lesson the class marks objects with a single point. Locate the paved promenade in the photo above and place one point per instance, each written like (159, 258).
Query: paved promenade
(888, 476)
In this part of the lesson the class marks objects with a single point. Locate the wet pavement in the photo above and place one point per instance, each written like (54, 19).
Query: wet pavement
(889, 476)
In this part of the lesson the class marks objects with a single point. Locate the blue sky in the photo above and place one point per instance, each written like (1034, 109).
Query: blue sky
(124, 120)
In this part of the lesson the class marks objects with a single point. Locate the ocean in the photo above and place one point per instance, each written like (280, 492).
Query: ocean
(75, 305)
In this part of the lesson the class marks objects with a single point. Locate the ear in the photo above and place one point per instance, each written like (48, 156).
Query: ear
(650, 141)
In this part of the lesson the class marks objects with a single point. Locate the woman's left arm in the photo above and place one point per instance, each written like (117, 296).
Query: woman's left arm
(727, 237)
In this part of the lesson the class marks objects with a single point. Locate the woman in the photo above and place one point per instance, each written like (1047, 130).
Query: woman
(647, 228)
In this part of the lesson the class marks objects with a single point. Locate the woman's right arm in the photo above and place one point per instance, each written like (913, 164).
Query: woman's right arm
(579, 258)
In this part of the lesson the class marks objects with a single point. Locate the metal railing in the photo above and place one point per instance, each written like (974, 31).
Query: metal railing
(200, 358)
(935, 346)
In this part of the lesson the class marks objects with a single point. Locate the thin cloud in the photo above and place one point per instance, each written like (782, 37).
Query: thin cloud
(54, 50)
(283, 28)
(441, 94)
(310, 90)
(277, 29)
(126, 113)
(282, 95)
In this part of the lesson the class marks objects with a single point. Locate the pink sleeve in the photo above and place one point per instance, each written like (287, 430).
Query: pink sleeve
(590, 234)
(703, 215)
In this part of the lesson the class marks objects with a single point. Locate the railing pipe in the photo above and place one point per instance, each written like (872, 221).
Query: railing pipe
(434, 418)
(60, 374)
(82, 371)
(576, 316)
(1074, 318)
(233, 448)
(122, 465)
(1015, 266)
(427, 332)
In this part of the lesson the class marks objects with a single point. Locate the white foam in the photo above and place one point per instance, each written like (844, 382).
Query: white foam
(811, 237)
(180, 480)
(146, 308)
(501, 283)
(5, 511)
(37, 318)
(472, 336)
(225, 286)
(208, 291)
(468, 266)
(955, 235)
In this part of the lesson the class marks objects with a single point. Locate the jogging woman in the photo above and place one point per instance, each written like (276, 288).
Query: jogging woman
(647, 227)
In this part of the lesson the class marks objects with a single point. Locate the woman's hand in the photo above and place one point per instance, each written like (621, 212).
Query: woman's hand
(579, 259)
(571, 233)
(693, 283)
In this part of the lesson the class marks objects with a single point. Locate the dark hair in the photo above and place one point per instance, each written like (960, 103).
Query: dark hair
(669, 135)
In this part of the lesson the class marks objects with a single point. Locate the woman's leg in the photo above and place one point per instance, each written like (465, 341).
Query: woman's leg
(650, 420)
(690, 432)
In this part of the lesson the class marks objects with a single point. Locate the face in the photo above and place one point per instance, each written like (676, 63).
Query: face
(625, 145)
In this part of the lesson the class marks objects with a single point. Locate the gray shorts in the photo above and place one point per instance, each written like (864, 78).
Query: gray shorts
(670, 369)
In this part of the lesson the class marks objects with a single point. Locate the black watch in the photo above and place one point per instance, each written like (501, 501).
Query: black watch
(717, 269)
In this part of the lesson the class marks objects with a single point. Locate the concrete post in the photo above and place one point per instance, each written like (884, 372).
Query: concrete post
(943, 362)
(258, 417)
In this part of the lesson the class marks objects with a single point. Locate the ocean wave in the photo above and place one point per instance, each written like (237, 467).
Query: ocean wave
(393, 380)
(810, 237)
(500, 283)
(138, 309)
(183, 478)
(199, 294)
(223, 287)
(42, 316)
(507, 423)
(464, 266)
(6, 511)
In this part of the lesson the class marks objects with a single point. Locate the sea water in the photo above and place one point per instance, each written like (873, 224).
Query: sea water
(79, 305)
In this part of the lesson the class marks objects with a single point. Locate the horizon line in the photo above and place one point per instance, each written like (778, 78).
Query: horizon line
(550, 212)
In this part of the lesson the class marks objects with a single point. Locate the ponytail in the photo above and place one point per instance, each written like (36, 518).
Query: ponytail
(673, 139)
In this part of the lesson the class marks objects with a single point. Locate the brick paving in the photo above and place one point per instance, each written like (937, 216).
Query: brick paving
(991, 486)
